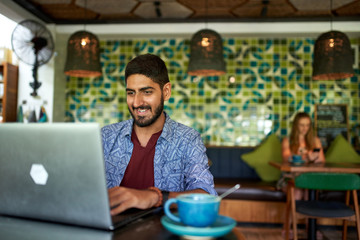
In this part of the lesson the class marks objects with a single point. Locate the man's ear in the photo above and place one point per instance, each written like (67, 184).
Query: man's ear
(167, 91)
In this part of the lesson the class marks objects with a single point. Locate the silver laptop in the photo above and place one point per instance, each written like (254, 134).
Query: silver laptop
(12, 228)
(55, 172)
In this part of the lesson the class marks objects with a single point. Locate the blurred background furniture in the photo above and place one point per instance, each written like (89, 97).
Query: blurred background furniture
(9, 92)
(257, 201)
(323, 209)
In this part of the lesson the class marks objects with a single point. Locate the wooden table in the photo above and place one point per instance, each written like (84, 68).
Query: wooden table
(142, 229)
(316, 167)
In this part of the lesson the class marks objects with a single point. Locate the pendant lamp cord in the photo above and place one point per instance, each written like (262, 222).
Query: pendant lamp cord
(85, 15)
(206, 14)
(331, 15)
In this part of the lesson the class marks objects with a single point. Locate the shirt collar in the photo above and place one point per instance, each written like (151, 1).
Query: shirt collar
(166, 132)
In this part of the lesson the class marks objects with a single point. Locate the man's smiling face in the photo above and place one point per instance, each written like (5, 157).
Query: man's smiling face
(145, 99)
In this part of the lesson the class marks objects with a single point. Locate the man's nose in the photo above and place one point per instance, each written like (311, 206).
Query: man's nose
(138, 100)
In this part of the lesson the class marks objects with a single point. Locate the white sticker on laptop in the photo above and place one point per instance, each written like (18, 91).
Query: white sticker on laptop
(39, 174)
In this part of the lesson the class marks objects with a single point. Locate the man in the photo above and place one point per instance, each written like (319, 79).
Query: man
(151, 157)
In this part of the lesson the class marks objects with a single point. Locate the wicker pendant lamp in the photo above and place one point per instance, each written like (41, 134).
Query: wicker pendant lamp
(83, 55)
(206, 54)
(333, 58)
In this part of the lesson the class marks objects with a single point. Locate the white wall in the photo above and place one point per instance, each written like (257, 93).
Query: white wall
(45, 92)
(239, 29)
(45, 72)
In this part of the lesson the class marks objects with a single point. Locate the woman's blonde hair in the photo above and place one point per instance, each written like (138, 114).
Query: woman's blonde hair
(294, 135)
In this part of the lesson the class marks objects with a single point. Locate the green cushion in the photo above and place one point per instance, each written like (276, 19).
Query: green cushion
(269, 150)
(341, 150)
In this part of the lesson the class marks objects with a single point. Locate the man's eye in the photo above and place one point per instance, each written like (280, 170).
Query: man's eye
(130, 93)
(148, 92)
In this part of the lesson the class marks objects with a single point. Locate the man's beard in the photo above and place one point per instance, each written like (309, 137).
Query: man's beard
(141, 121)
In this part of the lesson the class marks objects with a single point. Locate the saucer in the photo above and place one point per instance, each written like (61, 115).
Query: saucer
(297, 162)
(220, 227)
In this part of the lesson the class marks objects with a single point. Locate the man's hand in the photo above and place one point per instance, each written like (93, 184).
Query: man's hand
(122, 198)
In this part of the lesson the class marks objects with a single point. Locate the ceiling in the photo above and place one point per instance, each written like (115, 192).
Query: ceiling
(165, 11)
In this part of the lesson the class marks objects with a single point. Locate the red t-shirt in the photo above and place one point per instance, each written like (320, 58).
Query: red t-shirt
(139, 173)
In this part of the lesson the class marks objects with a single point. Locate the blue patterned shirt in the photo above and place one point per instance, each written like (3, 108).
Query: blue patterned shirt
(180, 161)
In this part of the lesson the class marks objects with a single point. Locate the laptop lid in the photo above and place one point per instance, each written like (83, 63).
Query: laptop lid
(54, 172)
(24, 229)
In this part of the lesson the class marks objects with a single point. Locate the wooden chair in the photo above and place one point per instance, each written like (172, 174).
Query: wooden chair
(320, 209)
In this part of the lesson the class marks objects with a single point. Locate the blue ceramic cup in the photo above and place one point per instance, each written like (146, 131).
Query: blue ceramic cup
(195, 209)
(296, 158)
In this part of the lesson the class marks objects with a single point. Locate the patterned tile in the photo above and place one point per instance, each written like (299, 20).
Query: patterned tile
(272, 82)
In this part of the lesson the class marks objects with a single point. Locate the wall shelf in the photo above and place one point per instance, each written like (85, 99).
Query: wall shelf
(8, 101)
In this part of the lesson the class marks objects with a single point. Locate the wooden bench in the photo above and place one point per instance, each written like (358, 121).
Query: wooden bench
(256, 200)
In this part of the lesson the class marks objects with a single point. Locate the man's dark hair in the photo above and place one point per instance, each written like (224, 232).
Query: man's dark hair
(150, 66)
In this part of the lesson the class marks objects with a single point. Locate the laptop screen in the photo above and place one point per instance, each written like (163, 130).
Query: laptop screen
(54, 172)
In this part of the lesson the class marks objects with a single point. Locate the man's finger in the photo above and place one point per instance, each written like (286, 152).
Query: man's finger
(120, 208)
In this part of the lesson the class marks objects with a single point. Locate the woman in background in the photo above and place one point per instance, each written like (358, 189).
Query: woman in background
(302, 141)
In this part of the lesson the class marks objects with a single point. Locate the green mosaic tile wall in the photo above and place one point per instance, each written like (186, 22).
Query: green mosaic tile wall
(272, 82)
